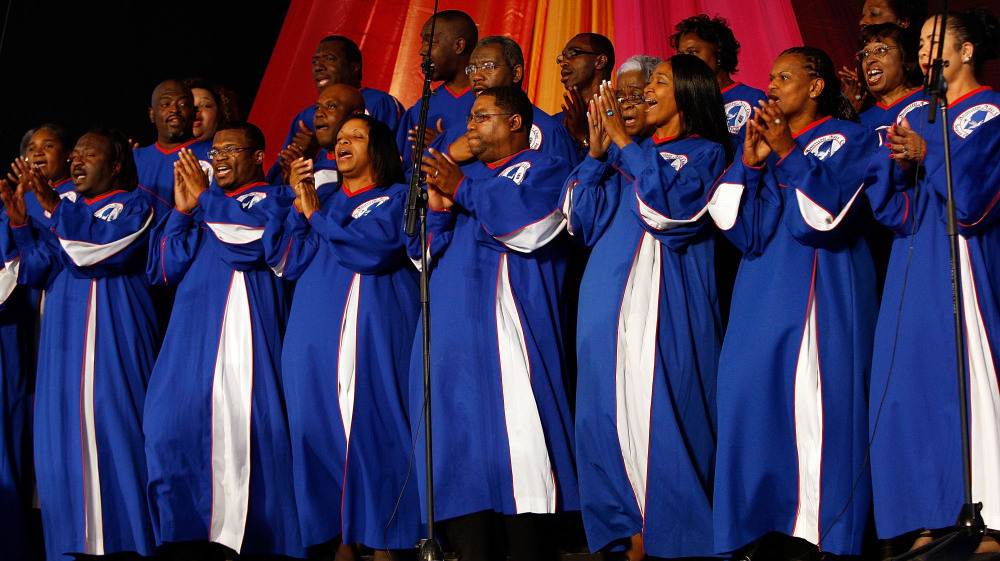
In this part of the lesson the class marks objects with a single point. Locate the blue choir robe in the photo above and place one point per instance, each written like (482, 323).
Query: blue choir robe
(914, 409)
(880, 117)
(739, 101)
(346, 361)
(17, 370)
(503, 434)
(547, 135)
(217, 445)
(98, 344)
(156, 171)
(648, 340)
(795, 361)
(378, 104)
(451, 107)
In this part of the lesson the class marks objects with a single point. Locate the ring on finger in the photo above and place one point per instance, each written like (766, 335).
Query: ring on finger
(436, 172)
(609, 113)
(777, 121)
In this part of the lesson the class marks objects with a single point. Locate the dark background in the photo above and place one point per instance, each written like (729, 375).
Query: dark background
(82, 63)
(86, 62)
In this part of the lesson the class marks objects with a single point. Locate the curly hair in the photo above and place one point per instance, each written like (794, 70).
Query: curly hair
(715, 31)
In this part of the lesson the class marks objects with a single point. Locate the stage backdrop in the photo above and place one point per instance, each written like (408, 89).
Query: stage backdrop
(388, 32)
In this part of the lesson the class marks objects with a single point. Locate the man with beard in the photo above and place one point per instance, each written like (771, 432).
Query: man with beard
(98, 335)
(216, 436)
(171, 111)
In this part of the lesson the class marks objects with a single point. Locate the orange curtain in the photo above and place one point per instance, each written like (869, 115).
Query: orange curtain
(388, 32)
(562, 19)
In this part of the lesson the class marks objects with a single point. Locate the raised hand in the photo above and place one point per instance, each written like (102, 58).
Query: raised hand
(599, 139)
(44, 191)
(13, 202)
(195, 178)
(611, 115)
(429, 135)
(443, 176)
(183, 201)
(305, 141)
(773, 127)
(304, 184)
(755, 150)
(854, 90)
(575, 114)
(906, 146)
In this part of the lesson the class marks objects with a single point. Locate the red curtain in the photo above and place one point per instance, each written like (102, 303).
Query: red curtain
(388, 32)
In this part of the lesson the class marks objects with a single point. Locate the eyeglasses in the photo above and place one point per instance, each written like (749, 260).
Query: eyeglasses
(631, 100)
(484, 67)
(228, 151)
(481, 117)
(878, 52)
(573, 52)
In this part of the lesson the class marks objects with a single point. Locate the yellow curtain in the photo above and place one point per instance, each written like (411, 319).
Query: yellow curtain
(562, 19)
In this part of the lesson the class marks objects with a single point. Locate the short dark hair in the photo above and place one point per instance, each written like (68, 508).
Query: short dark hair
(906, 38)
(464, 26)
(830, 101)
(602, 45)
(252, 132)
(715, 31)
(512, 54)
(57, 130)
(225, 98)
(697, 94)
(121, 152)
(351, 50)
(382, 151)
(980, 27)
(513, 100)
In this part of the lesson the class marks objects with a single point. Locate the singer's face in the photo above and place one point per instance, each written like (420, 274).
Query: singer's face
(953, 54)
(352, 149)
(487, 137)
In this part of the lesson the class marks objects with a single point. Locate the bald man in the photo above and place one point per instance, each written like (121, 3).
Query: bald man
(335, 105)
(171, 110)
(455, 36)
(337, 60)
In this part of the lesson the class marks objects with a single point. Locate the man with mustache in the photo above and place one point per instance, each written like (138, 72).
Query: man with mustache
(171, 111)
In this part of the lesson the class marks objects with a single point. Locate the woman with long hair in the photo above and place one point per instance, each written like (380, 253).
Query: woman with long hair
(649, 329)
(347, 346)
(795, 360)
(916, 454)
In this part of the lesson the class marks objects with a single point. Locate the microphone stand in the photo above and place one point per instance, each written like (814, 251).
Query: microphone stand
(428, 549)
(969, 527)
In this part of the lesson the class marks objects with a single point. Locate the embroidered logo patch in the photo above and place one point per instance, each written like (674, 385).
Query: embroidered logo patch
(676, 161)
(825, 146)
(535, 137)
(247, 200)
(367, 206)
(516, 172)
(110, 211)
(972, 117)
(737, 114)
(906, 110)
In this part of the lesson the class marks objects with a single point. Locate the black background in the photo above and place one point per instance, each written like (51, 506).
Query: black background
(86, 63)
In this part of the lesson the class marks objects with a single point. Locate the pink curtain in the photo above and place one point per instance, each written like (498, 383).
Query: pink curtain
(764, 28)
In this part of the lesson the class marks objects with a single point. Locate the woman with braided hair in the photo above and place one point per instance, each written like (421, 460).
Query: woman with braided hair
(794, 364)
